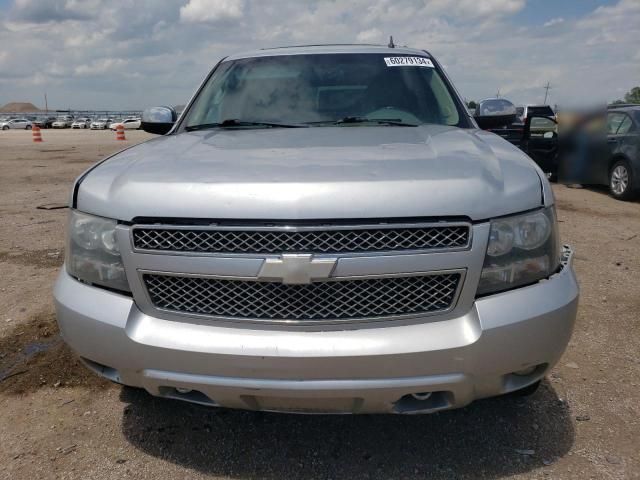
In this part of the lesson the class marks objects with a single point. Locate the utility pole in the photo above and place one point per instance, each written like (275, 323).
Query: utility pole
(546, 92)
(46, 105)
(498, 94)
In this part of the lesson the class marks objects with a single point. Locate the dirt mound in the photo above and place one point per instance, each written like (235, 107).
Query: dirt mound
(15, 107)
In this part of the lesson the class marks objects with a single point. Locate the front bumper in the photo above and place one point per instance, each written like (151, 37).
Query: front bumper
(367, 370)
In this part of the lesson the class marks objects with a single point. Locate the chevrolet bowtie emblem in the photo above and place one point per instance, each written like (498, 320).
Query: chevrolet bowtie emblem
(297, 268)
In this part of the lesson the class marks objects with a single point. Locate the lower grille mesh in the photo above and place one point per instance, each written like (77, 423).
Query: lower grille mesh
(332, 300)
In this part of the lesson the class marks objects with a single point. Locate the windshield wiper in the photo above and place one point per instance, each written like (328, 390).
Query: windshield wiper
(396, 122)
(233, 122)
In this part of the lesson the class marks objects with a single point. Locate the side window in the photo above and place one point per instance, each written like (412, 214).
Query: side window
(541, 125)
(613, 122)
(625, 126)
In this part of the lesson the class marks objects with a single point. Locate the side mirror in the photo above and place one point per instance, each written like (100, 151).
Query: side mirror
(158, 120)
(494, 113)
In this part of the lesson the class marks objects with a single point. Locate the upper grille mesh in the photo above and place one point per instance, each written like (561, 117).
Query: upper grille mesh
(323, 241)
(332, 300)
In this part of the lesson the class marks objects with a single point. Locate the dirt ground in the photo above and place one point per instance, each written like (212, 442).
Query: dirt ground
(57, 420)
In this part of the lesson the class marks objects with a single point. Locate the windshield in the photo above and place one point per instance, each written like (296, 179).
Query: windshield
(324, 89)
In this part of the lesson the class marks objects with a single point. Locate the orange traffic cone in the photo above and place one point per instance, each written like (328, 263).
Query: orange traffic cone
(120, 132)
(35, 131)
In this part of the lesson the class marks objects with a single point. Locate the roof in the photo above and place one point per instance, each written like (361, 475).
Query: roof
(328, 49)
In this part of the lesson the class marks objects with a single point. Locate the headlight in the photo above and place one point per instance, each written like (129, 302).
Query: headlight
(93, 255)
(522, 249)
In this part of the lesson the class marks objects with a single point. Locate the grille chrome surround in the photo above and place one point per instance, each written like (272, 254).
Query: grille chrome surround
(288, 239)
(333, 301)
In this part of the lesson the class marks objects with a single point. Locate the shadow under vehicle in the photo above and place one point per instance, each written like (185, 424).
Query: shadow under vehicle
(483, 441)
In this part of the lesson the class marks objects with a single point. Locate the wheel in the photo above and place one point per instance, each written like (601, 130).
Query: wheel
(28, 127)
(621, 181)
(5, 128)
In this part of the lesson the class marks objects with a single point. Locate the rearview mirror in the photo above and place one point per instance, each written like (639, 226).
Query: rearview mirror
(158, 120)
(494, 113)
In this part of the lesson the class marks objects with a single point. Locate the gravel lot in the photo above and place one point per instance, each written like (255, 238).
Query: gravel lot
(57, 420)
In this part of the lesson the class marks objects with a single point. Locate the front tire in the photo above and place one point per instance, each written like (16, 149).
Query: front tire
(5, 128)
(621, 181)
(28, 127)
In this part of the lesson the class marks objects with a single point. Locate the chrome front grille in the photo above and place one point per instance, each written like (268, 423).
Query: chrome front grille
(370, 298)
(301, 240)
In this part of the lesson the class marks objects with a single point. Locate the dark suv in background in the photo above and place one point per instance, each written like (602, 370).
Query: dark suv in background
(534, 130)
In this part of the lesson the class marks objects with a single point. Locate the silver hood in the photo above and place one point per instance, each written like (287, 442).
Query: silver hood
(315, 173)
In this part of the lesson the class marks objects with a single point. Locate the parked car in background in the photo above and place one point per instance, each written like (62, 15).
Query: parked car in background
(44, 122)
(323, 230)
(101, 124)
(63, 121)
(613, 158)
(16, 123)
(128, 124)
(83, 122)
(512, 131)
(623, 153)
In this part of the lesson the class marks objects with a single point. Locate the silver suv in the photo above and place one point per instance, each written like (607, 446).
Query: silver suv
(324, 229)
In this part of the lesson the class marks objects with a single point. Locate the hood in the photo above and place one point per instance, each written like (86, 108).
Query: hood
(315, 173)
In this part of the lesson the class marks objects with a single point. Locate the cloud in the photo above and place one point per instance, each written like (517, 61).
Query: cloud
(554, 21)
(136, 53)
(211, 11)
(370, 35)
(100, 67)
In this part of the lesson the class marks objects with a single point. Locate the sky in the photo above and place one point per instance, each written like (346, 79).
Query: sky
(132, 54)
